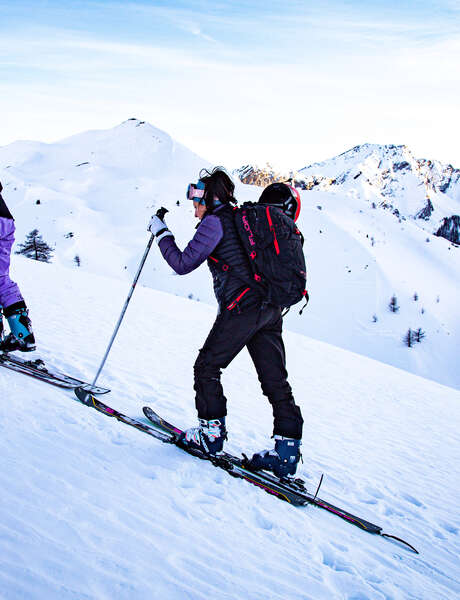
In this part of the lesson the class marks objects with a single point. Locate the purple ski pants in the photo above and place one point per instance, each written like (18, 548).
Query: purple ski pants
(9, 291)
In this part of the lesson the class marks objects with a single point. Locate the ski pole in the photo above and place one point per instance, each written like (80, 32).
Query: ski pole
(160, 214)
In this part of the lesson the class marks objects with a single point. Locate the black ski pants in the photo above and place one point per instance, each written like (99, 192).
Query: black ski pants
(260, 330)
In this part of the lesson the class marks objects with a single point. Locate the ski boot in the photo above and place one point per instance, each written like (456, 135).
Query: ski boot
(282, 461)
(208, 437)
(21, 337)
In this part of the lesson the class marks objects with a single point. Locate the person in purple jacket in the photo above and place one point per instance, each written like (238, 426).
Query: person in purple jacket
(243, 320)
(12, 303)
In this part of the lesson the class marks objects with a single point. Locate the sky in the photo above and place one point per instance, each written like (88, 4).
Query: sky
(286, 82)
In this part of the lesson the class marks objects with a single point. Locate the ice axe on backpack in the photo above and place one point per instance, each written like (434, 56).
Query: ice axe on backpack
(84, 393)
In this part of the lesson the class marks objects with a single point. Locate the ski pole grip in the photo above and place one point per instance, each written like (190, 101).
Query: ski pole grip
(161, 212)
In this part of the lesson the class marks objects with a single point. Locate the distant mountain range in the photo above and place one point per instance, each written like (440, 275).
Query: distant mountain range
(389, 177)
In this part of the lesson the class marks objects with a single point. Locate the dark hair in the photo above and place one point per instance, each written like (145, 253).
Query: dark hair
(217, 183)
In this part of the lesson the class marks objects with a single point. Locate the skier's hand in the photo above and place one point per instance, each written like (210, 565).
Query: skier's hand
(156, 225)
(158, 228)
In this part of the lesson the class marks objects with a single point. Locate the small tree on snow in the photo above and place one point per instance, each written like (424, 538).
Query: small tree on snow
(419, 334)
(415, 296)
(409, 338)
(35, 247)
(76, 260)
(393, 306)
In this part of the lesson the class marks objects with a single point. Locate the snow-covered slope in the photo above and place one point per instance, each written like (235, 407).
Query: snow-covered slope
(91, 195)
(92, 509)
(98, 189)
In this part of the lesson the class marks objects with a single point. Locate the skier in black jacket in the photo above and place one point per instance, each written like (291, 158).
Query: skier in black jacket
(243, 320)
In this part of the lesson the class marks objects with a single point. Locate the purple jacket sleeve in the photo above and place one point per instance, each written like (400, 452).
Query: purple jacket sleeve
(206, 238)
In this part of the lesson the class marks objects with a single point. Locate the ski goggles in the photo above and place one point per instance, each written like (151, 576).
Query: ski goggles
(195, 191)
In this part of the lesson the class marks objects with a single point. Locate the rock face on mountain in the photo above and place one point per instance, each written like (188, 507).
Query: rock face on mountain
(387, 176)
(450, 229)
(262, 176)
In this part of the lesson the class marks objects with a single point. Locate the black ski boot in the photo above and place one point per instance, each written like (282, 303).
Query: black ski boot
(21, 337)
(208, 437)
(282, 461)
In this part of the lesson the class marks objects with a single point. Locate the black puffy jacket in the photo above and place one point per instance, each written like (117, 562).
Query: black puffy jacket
(234, 288)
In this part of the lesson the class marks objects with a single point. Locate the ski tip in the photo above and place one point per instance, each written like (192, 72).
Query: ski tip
(401, 541)
(83, 396)
(148, 412)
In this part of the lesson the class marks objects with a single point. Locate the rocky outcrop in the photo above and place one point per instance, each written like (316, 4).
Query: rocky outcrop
(450, 229)
(263, 176)
(426, 212)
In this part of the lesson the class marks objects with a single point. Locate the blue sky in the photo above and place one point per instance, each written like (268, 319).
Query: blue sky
(288, 82)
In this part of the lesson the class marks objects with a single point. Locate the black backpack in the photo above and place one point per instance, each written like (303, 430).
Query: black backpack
(274, 246)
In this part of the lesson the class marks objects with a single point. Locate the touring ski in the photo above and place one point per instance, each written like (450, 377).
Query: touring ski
(38, 370)
(292, 491)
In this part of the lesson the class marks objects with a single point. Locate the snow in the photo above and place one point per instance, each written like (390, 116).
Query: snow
(93, 509)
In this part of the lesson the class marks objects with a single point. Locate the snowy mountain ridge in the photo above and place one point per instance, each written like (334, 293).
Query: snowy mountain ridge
(388, 175)
(91, 197)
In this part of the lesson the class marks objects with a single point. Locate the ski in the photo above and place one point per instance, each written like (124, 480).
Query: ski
(88, 399)
(294, 492)
(38, 370)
